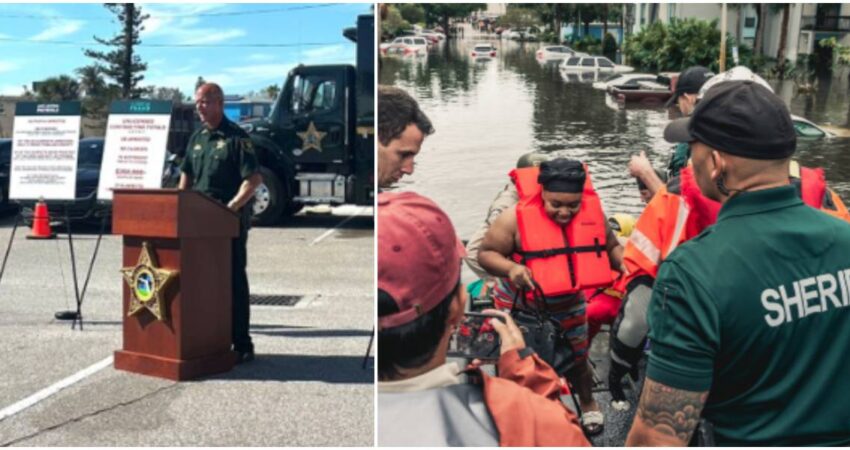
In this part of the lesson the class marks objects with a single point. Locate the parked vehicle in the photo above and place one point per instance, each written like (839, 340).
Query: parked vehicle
(593, 63)
(401, 50)
(416, 43)
(625, 79)
(554, 52)
(317, 145)
(483, 51)
(521, 34)
(649, 93)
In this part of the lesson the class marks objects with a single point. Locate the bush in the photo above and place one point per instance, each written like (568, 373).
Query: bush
(587, 44)
(609, 46)
(681, 44)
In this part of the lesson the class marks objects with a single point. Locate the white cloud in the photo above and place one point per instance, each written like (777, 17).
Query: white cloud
(206, 35)
(261, 57)
(8, 66)
(11, 90)
(329, 52)
(57, 26)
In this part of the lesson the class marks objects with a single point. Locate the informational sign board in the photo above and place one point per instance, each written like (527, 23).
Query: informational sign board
(45, 146)
(135, 146)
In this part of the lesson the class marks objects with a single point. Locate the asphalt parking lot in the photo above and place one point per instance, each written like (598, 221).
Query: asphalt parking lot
(306, 387)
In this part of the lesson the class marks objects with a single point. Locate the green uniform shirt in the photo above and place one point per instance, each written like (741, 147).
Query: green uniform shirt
(219, 160)
(755, 311)
(678, 160)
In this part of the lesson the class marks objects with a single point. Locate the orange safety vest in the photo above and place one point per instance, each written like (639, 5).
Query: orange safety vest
(563, 260)
(679, 212)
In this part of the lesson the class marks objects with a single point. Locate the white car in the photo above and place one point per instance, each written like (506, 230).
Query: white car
(483, 51)
(627, 79)
(437, 34)
(417, 44)
(553, 52)
(593, 64)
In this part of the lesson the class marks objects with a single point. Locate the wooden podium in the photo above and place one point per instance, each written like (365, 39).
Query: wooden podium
(188, 234)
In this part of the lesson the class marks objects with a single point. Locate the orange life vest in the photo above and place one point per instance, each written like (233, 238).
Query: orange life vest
(704, 211)
(563, 260)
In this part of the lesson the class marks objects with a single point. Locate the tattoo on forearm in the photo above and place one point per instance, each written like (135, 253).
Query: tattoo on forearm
(670, 411)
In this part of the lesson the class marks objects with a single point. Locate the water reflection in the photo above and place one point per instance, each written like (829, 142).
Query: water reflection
(487, 114)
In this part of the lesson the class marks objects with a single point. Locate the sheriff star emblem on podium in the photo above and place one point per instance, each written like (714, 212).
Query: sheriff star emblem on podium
(147, 283)
(312, 138)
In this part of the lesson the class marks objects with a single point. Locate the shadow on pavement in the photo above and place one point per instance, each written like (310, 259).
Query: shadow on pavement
(325, 369)
(314, 333)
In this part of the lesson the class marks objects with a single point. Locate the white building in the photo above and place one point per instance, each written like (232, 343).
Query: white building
(808, 23)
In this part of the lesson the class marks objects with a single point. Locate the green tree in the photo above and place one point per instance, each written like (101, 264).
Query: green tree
(411, 12)
(166, 93)
(96, 93)
(57, 89)
(199, 82)
(393, 24)
(272, 91)
(121, 65)
(442, 13)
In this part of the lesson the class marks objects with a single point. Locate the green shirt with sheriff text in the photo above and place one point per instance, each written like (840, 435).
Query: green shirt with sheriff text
(755, 311)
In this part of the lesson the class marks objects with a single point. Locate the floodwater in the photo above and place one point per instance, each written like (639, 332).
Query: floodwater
(488, 113)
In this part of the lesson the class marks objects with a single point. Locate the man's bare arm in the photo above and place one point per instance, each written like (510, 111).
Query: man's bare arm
(665, 416)
(246, 191)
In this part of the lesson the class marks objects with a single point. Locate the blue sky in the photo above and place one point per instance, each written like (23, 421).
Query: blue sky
(30, 35)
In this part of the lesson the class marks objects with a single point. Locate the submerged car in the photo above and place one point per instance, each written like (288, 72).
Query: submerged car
(593, 64)
(483, 51)
(554, 52)
(626, 79)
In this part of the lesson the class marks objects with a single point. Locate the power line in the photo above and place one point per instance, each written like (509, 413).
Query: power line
(175, 16)
(275, 45)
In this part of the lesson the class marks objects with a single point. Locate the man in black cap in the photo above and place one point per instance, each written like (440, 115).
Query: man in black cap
(749, 321)
(685, 99)
(556, 206)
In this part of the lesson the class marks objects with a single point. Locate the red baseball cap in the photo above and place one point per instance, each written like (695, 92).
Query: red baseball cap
(419, 255)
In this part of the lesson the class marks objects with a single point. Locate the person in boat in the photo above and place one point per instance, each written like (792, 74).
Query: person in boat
(402, 127)
(748, 319)
(555, 239)
(677, 213)
(684, 98)
(646, 193)
(422, 399)
(506, 198)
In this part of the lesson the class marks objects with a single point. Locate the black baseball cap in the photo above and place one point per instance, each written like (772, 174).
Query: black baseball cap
(690, 80)
(741, 118)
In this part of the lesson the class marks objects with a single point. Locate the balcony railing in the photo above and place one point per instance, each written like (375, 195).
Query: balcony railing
(826, 23)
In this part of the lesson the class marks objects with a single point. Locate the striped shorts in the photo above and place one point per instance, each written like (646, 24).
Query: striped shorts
(570, 311)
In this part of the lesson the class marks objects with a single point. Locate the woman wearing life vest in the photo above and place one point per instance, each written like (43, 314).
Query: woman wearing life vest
(556, 238)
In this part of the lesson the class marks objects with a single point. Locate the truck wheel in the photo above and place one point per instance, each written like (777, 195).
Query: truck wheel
(270, 199)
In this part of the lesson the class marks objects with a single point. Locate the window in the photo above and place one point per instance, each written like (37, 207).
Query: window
(573, 61)
(325, 96)
(750, 22)
(605, 63)
(806, 130)
(588, 62)
(302, 87)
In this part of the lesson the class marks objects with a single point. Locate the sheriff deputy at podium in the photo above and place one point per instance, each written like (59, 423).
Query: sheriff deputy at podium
(221, 163)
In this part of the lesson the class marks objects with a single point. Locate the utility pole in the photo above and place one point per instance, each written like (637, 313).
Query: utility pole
(723, 37)
(126, 77)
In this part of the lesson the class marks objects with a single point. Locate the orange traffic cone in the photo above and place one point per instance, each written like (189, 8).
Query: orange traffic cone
(41, 222)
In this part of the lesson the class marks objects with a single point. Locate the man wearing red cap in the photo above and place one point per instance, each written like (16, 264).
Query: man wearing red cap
(421, 398)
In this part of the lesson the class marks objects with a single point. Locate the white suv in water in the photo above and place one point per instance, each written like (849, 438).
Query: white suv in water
(593, 64)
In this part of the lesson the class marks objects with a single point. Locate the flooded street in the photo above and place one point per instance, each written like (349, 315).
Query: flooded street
(488, 113)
